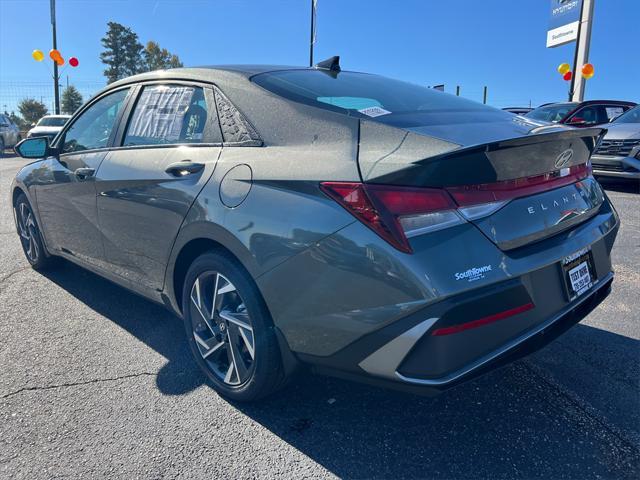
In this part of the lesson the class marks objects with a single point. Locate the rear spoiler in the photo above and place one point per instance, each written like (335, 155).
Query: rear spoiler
(401, 157)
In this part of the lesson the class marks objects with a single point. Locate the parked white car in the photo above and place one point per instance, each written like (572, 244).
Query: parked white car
(48, 126)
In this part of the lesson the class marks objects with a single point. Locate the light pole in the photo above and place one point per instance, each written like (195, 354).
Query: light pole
(578, 82)
(313, 31)
(56, 88)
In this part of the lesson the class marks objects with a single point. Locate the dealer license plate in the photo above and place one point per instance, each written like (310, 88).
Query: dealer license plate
(579, 274)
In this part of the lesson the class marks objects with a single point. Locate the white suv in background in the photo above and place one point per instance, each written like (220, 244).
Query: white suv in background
(48, 126)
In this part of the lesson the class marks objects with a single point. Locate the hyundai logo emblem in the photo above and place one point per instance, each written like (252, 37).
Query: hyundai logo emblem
(564, 158)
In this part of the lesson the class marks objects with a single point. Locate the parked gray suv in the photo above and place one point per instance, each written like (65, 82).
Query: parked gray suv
(311, 217)
(618, 155)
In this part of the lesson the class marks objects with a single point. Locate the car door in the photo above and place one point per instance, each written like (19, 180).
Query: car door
(167, 152)
(66, 193)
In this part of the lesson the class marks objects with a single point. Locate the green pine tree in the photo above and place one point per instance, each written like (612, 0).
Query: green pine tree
(122, 54)
(157, 58)
(32, 110)
(71, 100)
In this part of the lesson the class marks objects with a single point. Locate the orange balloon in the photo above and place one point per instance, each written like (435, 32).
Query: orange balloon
(60, 61)
(53, 54)
(588, 71)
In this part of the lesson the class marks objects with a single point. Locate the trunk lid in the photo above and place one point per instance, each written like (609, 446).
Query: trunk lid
(516, 190)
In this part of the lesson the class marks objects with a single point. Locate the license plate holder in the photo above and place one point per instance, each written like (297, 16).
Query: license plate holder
(579, 273)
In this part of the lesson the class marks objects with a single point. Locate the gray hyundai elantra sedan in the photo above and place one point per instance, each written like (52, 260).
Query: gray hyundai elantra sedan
(349, 223)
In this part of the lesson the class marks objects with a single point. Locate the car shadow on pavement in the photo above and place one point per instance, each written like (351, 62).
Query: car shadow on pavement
(513, 422)
(150, 323)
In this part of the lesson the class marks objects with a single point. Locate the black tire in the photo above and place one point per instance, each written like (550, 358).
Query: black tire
(30, 236)
(265, 373)
(2, 147)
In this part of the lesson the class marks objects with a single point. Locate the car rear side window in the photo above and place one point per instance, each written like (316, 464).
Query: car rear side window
(613, 111)
(171, 114)
(92, 129)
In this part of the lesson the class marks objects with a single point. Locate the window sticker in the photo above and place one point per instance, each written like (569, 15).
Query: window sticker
(350, 103)
(374, 111)
(160, 113)
(613, 112)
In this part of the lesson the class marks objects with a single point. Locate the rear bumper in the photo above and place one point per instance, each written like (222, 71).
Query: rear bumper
(360, 321)
(528, 343)
(525, 344)
(616, 167)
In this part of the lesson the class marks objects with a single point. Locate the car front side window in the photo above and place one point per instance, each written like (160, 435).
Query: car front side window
(590, 115)
(92, 129)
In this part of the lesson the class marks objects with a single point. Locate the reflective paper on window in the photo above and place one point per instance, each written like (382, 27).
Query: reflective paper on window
(160, 114)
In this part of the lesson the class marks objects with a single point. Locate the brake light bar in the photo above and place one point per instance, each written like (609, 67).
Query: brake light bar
(397, 213)
(466, 195)
(483, 321)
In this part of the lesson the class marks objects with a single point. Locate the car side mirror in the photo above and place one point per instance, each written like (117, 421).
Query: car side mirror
(35, 147)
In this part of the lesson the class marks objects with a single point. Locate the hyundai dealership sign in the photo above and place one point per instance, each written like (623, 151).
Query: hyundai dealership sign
(564, 21)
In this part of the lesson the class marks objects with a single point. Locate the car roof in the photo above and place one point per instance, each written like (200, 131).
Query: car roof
(209, 73)
(590, 102)
(615, 102)
(220, 75)
(557, 103)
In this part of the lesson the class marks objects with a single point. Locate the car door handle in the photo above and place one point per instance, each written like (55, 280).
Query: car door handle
(186, 167)
(84, 172)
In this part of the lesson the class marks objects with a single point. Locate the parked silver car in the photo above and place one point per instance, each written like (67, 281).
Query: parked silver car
(9, 133)
(618, 155)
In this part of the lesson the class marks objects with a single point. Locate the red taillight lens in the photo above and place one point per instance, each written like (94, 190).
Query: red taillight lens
(466, 195)
(482, 321)
(397, 212)
(381, 207)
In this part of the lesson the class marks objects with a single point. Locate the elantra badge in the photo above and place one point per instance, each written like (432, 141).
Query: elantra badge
(564, 158)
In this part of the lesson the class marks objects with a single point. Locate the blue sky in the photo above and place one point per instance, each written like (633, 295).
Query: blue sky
(472, 43)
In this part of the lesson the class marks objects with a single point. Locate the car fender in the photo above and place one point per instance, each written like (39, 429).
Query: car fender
(194, 230)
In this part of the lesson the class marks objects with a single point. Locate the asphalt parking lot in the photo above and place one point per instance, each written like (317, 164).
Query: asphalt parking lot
(97, 382)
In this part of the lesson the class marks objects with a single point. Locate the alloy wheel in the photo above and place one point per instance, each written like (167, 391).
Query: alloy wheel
(28, 231)
(222, 328)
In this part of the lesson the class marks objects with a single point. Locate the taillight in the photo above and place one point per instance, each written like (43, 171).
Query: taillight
(505, 190)
(397, 213)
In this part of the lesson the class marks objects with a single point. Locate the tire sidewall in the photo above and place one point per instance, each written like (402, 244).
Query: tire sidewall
(267, 358)
(42, 260)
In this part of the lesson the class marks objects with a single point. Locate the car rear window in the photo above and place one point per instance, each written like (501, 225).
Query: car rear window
(389, 101)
